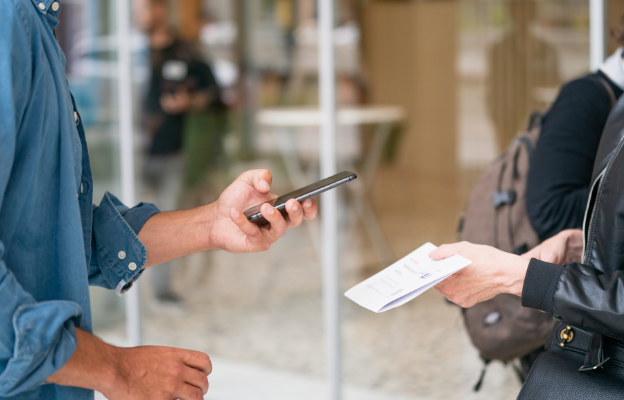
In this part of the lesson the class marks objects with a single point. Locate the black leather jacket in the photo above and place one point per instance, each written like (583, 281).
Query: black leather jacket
(590, 295)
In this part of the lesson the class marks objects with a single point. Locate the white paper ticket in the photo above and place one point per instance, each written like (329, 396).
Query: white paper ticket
(405, 279)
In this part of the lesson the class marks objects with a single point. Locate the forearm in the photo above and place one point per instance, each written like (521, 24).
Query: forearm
(92, 366)
(170, 235)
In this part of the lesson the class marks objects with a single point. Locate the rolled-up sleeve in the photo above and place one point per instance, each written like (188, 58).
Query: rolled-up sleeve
(118, 256)
(36, 338)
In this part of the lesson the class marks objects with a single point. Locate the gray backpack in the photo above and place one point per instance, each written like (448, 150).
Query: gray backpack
(496, 216)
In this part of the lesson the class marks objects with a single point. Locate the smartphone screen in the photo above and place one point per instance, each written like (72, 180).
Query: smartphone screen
(253, 214)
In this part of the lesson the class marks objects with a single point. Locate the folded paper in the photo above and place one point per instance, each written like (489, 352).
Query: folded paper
(405, 279)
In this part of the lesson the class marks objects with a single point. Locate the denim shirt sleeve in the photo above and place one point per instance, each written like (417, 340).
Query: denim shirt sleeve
(118, 256)
(36, 338)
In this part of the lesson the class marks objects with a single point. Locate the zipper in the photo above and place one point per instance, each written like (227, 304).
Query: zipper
(619, 339)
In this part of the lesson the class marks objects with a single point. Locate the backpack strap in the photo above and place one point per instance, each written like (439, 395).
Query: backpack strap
(609, 89)
(535, 120)
(527, 143)
(477, 386)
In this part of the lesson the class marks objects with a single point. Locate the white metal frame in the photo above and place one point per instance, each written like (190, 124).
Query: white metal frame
(597, 37)
(126, 145)
(329, 214)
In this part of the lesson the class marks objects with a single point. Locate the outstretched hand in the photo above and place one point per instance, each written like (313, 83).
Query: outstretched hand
(492, 272)
(232, 231)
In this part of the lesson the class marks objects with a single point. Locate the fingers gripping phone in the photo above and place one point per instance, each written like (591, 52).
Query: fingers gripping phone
(253, 214)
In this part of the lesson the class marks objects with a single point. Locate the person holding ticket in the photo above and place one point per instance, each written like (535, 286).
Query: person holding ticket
(577, 276)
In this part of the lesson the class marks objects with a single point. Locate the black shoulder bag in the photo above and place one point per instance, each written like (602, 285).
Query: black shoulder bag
(577, 365)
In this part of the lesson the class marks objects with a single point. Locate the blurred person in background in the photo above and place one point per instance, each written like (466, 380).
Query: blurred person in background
(54, 242)
(522, 68)
(181, 84)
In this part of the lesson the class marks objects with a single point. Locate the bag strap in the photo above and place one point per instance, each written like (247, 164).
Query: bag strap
(609, 89)
(535, 121)
(477, 386)
(594, 358)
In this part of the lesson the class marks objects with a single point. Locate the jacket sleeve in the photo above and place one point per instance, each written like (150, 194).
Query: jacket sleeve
(117, 254)
(577, 294)
(36, 338)
(561, 167)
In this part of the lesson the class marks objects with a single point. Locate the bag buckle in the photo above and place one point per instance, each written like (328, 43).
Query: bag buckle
(566, 335)
(507, 197)
(595, 355)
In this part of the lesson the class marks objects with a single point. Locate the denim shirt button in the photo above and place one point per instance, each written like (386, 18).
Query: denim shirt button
(121, 255)
(42, 6)
(75, 112)
(55, 6)
(132, 266)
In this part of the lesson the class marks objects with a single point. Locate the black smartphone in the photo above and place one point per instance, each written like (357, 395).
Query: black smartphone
(253, 214)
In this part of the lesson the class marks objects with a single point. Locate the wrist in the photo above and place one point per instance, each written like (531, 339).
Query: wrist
(93, 365)
(208, 237)
(109, 376)
(515, 273)
(201, 224)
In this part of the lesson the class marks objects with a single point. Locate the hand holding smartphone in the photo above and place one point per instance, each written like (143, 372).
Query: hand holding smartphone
(253, 214)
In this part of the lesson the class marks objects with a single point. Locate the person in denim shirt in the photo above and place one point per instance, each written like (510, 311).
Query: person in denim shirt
(54, 242)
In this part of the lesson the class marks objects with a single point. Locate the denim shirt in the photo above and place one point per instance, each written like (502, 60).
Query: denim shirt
(54, 242)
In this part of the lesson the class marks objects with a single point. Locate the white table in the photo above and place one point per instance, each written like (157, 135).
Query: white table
(286, 120)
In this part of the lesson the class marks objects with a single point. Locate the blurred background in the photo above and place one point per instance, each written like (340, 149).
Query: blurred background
(429, 93)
